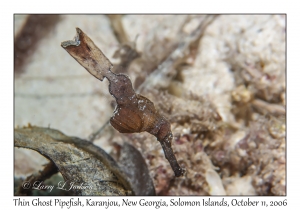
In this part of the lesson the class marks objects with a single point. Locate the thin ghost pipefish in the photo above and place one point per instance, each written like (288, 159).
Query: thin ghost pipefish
(134, 113)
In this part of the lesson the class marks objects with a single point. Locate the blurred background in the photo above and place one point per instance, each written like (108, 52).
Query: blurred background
(220, 80)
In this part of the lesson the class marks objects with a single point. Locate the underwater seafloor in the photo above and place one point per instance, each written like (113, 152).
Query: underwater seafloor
(219, 80)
